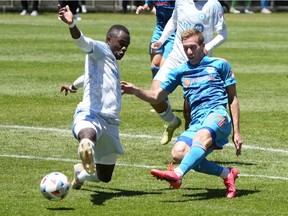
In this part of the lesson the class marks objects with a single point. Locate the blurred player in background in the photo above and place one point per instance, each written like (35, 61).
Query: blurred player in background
(163, 11)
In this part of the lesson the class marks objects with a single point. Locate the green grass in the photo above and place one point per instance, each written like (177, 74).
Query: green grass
(37, 55)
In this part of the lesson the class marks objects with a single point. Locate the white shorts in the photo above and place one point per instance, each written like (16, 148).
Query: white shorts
(108, 143)
(170, 63)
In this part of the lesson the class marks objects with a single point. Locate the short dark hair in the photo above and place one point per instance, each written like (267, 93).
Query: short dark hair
(192, 32)
(115, 29)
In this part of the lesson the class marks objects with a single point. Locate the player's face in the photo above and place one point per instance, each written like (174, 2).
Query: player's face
(119, 44)
(193, 50)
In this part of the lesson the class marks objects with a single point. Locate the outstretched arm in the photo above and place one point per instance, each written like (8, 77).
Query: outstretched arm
(78, 83)
(152, 97)
(235, 115)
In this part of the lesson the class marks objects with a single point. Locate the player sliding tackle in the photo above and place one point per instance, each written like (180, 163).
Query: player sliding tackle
(96, 119)
(208, 84)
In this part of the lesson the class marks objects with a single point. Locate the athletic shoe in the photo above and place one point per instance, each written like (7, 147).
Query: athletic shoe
(234, 11)
(34, 13)
(76, 17)
(246, 11)
(168, 133)
(85, 151)
(83, 8)
(23, 13)
(266, 11)
(230, 182)
(76, 184)
(169, 176)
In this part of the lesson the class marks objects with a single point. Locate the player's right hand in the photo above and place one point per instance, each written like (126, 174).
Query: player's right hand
(156, 45)
(67, 88)
(140, 9)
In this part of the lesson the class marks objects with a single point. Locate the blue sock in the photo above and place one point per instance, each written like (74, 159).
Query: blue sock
(192, 158)
(209, 168)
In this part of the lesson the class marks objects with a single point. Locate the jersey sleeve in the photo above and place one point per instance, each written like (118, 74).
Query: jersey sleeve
(227, 74)
(219, 27)
(89, 46)
(172, 81)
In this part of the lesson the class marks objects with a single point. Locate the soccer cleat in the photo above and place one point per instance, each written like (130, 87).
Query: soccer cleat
(266, 11)
(230, 182)
(83, 8)
(168, 133)
(76, 184)
(23, 13)
(34, 13)
(85, 151)
(234, 10)
(246, 11)
(169, 176)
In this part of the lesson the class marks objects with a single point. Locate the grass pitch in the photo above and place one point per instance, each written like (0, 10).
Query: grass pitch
(37, 55)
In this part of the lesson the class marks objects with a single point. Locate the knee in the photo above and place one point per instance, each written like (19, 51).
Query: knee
(179, 151)
(88, 133)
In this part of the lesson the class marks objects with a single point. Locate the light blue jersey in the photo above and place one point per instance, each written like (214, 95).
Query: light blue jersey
(204, 87)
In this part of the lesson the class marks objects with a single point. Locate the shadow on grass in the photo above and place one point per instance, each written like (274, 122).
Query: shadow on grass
(101, 195)
(177, 110)
(60, 209)
(206, 194)
(226, 163)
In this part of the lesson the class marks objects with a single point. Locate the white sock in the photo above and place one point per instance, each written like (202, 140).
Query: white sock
(84, 176)
(178, 172)
(169, 116)
(225, 173)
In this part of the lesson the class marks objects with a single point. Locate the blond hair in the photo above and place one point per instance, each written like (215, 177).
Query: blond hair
(192, 32)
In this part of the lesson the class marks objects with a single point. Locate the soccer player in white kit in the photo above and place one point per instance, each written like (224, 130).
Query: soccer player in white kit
(204, 15)
(96, 118)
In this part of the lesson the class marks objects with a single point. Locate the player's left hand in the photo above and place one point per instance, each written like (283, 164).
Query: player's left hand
(237, 139)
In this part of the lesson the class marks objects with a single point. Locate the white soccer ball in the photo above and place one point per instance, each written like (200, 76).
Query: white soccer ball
(55, 186)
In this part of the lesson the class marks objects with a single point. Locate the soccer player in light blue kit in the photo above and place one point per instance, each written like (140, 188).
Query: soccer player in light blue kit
(204, 15)
(208, 85)
(163, 11)
(96, 119)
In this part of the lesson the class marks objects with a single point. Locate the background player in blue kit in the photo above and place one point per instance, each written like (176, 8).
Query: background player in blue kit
(163, 11)
(208, 85)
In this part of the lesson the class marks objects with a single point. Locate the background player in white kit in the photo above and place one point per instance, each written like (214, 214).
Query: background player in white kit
(96, 118)
(204, 15)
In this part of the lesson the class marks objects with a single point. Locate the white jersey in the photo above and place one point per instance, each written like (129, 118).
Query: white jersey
(101, 88)
(204, 15)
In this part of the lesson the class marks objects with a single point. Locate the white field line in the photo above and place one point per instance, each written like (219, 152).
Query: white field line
(126, 165)
(122, 164)
(141, 136)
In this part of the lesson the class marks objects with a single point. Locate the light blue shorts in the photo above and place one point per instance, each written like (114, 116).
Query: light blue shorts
(167, 47)
(217, 121)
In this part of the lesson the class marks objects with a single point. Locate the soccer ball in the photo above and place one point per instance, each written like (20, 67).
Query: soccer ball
(55, 186)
